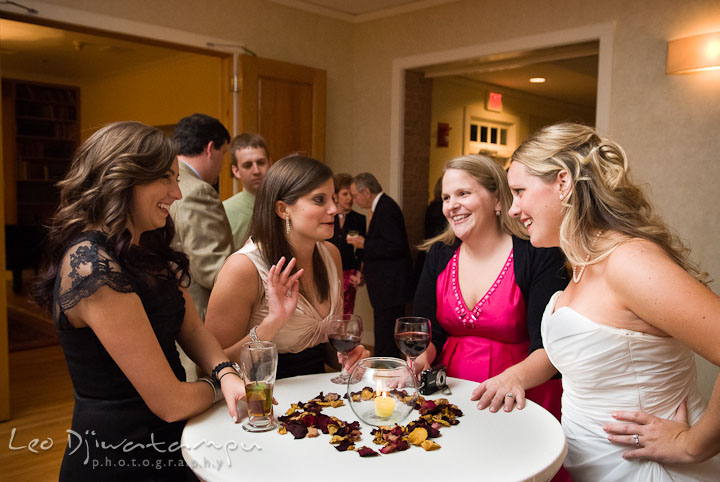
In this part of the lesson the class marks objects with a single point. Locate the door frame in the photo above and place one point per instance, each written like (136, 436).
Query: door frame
(107, 26)
(602, 32)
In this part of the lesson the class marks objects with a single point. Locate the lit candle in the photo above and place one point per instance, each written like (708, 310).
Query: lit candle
(384, 405)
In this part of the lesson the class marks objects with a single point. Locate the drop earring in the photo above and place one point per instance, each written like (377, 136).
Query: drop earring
(287, 224)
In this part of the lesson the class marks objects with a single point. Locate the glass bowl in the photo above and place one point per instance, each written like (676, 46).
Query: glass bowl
(382, 391)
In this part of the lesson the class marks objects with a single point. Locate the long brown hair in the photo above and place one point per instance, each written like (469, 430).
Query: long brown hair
(97, 194)
(287, 180)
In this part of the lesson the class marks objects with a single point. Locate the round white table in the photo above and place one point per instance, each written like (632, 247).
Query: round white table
(526, 444)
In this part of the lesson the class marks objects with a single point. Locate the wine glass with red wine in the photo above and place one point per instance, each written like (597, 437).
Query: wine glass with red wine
(344, 333)
(412, 337)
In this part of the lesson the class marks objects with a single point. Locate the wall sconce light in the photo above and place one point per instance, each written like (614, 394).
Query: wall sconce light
(694, 54)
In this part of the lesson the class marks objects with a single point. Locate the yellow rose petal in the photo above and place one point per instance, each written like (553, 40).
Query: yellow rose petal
(429, 445)
(417, 436)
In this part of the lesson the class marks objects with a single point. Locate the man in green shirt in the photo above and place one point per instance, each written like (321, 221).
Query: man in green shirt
(250, 162)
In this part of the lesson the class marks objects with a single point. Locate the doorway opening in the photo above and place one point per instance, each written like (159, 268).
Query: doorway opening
(479, 100)
(60, 83)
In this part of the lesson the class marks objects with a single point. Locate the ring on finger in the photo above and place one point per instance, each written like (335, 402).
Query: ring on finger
(636, 438)
(510, 395)
(288, 293)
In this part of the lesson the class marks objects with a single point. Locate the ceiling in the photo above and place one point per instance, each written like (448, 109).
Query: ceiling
(28, 48)
(571, 71)
(357, 11)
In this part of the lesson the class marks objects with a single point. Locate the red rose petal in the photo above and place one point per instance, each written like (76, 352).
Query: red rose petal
(367, 452)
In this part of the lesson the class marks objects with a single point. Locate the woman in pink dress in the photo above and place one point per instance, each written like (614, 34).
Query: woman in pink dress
(484, 287)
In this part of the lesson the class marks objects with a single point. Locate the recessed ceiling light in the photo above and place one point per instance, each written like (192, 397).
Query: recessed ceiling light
(537, 80)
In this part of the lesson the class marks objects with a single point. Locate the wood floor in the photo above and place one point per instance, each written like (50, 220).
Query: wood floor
(41, 404)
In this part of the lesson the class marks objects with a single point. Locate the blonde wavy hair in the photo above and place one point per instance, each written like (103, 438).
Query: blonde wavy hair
(602, 197)
(492, 177)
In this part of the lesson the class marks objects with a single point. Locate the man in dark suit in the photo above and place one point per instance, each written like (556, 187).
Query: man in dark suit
(387, 266)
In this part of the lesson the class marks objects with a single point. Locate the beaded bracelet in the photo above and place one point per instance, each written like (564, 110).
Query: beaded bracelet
(222, 365)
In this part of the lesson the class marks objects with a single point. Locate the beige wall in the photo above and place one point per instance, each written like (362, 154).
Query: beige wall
(451, 96)
(151, 94)
(667, 124)
(148, 93)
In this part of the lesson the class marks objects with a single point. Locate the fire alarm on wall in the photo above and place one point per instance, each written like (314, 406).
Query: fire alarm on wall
(443, 134)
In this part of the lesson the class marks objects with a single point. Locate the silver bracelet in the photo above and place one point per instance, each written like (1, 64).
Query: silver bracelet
(253, 335)
(217, 394)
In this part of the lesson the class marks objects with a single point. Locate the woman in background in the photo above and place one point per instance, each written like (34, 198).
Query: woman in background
(623, 333)
(114, 287)
(285, 284)
(348, 221)
(484, 288)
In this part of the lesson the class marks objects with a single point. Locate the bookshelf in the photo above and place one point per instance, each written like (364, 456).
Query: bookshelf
(41, 131)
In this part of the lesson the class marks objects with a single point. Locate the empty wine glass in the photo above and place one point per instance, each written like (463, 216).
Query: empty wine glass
(412, 337)
(344, 333)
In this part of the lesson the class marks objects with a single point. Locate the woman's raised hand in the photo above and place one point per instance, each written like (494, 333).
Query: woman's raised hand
(282, 290)
(502, 390)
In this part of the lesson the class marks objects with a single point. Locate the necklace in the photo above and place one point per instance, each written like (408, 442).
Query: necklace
(470, 318)
(577, 273)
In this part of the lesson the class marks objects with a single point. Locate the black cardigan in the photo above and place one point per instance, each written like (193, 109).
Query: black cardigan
(539, 272)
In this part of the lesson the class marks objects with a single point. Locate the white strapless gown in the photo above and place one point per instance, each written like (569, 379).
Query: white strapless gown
(605, 369)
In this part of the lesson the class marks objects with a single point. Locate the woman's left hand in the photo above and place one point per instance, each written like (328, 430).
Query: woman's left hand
(353, 357)
(282, 290)
(651, 437)
(503, 390)
(233, 390)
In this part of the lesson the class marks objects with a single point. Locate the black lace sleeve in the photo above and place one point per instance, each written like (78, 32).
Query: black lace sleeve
(86, 267)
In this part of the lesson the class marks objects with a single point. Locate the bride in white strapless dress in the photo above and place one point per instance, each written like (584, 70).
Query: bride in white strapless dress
(624, 330)
(606, 369)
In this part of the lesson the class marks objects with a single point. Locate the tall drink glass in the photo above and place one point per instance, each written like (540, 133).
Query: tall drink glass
(258, 361)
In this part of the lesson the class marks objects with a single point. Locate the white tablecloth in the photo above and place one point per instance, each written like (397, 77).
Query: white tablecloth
(526, 444)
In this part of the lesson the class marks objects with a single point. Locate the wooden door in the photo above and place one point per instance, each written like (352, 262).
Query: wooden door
(4, 361)
(285, 103)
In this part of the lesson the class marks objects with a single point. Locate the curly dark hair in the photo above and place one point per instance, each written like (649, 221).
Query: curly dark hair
(97, 194)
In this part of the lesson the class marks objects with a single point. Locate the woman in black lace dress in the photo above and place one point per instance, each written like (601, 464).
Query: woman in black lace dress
(116, 291)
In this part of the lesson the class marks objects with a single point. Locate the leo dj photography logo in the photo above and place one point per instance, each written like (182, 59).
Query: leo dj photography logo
(96, 451)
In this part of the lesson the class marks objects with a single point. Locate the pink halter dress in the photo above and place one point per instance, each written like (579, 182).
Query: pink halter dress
(490, 337)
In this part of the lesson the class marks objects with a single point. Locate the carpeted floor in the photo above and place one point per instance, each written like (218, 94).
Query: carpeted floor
(26, 333)
(28, 326)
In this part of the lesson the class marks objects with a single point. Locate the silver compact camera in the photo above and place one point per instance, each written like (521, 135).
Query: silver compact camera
(433, 380)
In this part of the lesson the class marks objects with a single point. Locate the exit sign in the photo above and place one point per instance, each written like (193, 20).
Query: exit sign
(494, 102)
